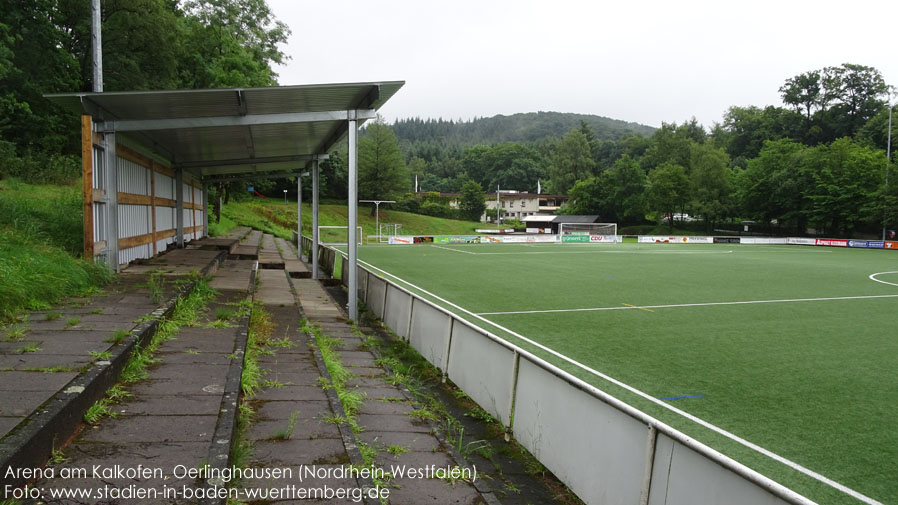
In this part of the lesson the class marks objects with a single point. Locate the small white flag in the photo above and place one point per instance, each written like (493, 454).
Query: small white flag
(539, 188)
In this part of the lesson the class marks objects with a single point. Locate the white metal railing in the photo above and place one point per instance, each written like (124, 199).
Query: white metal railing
(605, 450)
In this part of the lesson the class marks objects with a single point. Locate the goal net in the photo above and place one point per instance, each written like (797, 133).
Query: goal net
(386, 231)
(588, 232)
(337, 235)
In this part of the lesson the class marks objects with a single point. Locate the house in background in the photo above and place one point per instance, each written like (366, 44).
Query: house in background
(515, 205)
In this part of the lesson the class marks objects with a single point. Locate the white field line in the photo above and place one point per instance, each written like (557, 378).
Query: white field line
(873, 278)
(632, 251)
(810, 473)
(680, 305)
(576, 252)
(453, 250)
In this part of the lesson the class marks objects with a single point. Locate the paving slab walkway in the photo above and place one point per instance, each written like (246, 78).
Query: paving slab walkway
(249, 245)
(42, 354)
(166, 429)
(406, 446)
(291, 428)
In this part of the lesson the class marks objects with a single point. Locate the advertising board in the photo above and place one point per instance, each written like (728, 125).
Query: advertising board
(831, 242)
(664, 239)
(519, 239)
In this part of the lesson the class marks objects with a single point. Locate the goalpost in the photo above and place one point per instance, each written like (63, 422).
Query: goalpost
(596, 233)
(336, 235)
(384, 233)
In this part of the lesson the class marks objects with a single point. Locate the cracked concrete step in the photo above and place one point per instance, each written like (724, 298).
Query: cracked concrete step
(172, 417)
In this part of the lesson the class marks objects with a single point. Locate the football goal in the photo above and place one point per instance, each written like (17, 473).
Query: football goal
(337, 235)
(386, 231)
(588, 232)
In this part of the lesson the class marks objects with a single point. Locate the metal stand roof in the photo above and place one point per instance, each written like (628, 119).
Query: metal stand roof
(241, 133)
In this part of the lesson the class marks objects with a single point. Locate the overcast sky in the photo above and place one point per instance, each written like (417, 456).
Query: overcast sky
(640, 61)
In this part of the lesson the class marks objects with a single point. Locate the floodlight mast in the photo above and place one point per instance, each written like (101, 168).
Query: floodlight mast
(888, 163)
(377, 212)
(96, 45)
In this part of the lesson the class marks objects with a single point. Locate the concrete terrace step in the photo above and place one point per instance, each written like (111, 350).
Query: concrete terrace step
(249, 245)
(269, 256)
(176, 419)
(293, 396)
(292, 264)
(384, 415)
(58, 362)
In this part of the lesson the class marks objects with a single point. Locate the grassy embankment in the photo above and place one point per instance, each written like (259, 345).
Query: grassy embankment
(272, 216)
(40, 247)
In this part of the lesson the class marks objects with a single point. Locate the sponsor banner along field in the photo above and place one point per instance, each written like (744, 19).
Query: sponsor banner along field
(664, 239)
(784, 349)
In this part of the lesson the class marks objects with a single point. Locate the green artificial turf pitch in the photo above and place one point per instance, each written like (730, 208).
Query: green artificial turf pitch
(811, 379)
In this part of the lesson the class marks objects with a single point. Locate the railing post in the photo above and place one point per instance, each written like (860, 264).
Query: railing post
(514, 389)
(651, 441)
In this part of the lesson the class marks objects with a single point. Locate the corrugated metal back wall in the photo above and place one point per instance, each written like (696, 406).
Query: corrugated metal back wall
(135, 220)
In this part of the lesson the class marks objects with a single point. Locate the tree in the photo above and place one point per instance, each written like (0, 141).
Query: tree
(847, 177)
(745, 129)
(627, 184)
(573, 162)
(513, 166)
(472, 202)
(773, 184)
(709, 180)
(35, 61)
(382, 171)
(668, 189)
(231, 43)
(803, 92)
(588, 196)
(835, 101)
(671, 144)
(417, 169)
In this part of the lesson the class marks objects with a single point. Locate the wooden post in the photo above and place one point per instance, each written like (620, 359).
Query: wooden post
(87, 175)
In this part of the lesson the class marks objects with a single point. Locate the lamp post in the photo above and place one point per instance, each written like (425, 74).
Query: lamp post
(377, 213)
(285, 197)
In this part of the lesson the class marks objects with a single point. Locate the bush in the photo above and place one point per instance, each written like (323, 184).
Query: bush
(38, 168)
(407, 203)
(435, 209)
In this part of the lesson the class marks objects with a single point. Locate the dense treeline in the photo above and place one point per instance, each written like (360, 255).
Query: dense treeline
(816, 164)
(147, 45)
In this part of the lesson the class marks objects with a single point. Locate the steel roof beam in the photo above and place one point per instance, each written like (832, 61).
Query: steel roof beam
(236, 178)
(130, 125)
(252, 161)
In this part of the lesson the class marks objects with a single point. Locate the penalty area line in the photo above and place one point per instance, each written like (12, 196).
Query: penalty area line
(451, 249)
(770, 454)
(627, 306)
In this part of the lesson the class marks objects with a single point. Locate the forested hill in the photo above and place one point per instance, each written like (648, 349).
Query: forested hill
(524, 127)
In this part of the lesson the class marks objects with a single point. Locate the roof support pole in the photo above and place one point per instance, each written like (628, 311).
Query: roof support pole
(179, 206)
(313, 254)
(353, 273)
(205, 210)
(299, 215)
(111, 200)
